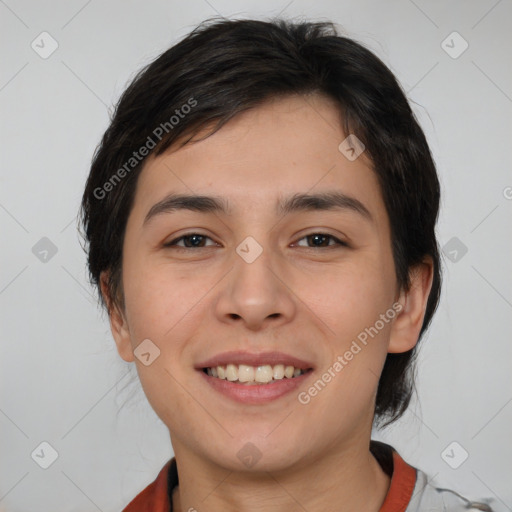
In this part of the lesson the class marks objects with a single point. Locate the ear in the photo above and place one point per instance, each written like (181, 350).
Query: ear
(118, 323)
(407, 324)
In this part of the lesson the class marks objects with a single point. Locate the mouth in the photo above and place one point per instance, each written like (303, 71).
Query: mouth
(254, 375)
(254, 378)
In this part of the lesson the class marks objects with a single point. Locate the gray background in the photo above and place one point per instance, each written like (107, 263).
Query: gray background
(62, 380)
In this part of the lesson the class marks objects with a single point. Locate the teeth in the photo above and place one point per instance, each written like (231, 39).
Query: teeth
(278, 371)
(245, 373)
(231, 372)
(264, 374)
(250, 374)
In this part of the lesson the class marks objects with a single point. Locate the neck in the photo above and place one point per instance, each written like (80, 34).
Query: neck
(349, 477)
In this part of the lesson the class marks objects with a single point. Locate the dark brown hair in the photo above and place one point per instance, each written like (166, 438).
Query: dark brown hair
(224, 67)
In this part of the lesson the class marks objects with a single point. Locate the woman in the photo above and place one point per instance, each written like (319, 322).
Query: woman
(260, 218)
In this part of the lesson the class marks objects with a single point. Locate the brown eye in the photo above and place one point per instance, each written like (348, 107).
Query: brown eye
(190, 240)
(321, 240)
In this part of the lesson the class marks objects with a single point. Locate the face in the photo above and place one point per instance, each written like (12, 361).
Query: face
(278, 282)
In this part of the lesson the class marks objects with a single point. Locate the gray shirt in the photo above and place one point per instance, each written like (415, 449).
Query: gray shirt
(428, 498)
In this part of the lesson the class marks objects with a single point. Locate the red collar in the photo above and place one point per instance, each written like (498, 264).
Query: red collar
(155, 498)
(401, 486)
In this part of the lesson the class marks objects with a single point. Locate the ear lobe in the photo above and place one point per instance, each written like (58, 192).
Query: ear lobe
(118, 324)
(407, 325)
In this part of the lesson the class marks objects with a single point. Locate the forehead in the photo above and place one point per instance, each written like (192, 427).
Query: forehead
(285, 146)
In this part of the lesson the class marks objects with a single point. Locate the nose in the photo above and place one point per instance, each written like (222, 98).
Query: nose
(257, 293)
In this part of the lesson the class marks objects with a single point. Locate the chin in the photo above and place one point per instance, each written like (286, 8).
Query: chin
(254, 454)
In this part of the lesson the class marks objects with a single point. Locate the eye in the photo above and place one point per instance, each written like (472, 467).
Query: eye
(190, 240)
(321, 240)
(197, 240)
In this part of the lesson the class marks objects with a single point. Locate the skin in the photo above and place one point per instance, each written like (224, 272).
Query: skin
(296, 297)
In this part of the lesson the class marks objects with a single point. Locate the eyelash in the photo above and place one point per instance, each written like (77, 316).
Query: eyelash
(189, 235)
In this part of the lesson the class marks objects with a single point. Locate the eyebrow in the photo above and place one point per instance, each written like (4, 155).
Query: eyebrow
(292, 204)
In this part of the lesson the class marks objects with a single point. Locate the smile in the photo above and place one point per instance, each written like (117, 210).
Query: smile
(251, 375)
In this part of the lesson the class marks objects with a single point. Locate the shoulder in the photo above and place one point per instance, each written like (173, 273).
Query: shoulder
(427, 497)
(154, 498)
(412, 490)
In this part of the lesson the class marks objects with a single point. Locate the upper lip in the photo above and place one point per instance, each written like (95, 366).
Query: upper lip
(252, 359)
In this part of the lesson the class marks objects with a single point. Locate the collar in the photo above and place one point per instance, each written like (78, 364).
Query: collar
(157, 496)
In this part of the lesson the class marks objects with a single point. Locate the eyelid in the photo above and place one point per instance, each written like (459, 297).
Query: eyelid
(174, 240)
(338, 241)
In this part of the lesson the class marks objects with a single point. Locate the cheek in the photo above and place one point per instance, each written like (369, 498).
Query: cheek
(158, 299)
(164, 307)
(167, 307)
(349, 299)
(356, 305)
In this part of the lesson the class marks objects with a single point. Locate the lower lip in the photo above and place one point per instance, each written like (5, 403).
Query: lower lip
(256, 394)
